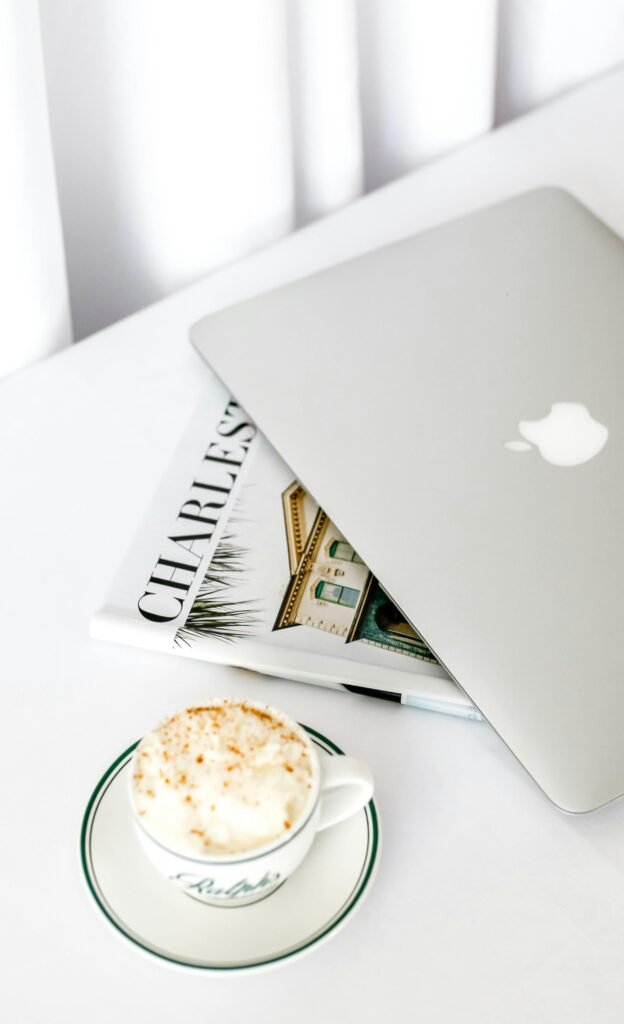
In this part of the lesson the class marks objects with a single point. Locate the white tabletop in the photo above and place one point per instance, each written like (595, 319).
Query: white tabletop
(490, 904)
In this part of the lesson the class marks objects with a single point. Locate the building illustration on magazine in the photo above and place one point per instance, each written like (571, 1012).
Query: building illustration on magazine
(331, 588)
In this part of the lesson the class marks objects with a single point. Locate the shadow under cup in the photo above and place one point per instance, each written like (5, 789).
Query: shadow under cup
(342, 786)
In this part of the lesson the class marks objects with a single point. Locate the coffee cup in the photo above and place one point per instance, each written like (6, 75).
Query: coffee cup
(228, 797)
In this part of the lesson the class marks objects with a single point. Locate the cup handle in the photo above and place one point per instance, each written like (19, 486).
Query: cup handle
(346, 787)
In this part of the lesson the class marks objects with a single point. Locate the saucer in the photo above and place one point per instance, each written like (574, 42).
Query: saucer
(155, 916)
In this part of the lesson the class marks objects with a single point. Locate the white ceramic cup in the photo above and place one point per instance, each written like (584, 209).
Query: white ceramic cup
(341, 786)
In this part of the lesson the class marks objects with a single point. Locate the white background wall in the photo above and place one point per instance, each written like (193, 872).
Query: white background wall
(169, 137)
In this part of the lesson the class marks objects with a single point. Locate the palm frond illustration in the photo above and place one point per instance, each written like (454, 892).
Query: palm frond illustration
(213, 614)
(227, 561)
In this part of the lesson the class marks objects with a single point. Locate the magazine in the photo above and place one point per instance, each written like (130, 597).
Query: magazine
(236, 563)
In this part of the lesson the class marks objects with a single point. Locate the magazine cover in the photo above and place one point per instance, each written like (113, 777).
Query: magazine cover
(236, 563)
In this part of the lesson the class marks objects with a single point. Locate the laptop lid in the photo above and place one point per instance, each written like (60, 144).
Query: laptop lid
(454, 401)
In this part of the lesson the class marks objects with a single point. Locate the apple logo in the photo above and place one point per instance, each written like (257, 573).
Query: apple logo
(568, 436)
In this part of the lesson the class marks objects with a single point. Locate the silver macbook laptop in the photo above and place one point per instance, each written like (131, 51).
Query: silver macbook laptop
(455, 401)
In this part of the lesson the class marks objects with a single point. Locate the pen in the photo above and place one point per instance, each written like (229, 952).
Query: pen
(425, 704)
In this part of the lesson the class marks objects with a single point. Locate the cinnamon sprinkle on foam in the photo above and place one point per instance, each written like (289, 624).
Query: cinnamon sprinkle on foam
(247, 767)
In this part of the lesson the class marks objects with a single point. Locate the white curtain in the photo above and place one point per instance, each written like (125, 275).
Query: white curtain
(146, 143)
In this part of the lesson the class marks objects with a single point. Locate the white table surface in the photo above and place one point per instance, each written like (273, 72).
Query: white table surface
(490, 904)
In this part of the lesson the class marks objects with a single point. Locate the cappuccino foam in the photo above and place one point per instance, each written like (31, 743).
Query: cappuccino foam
(222, 778)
